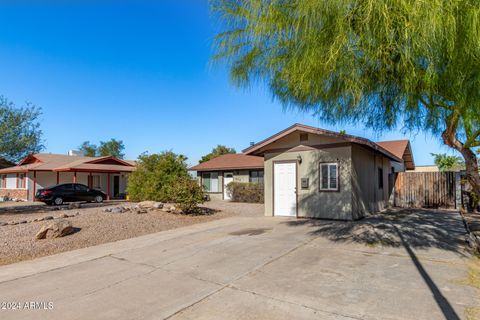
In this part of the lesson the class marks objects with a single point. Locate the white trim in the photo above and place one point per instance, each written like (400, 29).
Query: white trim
(328, 164)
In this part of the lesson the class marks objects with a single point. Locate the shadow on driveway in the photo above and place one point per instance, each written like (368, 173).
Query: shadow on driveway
(408, 228)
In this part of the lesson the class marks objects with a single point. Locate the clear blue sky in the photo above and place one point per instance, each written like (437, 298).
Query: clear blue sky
(139, 72)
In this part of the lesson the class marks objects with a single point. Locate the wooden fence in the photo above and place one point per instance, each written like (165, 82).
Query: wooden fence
(425, 190)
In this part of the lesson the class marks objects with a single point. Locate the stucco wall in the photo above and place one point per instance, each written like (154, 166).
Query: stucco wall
(367, 196)
(312, 202)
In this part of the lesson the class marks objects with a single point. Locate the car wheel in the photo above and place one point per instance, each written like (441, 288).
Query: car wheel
(58, 201)
(98, 199)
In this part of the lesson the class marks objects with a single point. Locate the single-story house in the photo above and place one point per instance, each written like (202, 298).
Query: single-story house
(214, 175)
(41, 170)
(315, 173)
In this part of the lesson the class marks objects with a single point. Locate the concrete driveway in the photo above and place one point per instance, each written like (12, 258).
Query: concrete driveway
(403, 265)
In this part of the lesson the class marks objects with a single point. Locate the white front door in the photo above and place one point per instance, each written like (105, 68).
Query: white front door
(285, 189)
(227, 178)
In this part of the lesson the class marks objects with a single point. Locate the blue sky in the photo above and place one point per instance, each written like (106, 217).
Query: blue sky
(139, 72)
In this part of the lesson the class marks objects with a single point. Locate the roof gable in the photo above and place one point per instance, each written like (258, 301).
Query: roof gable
(257, 148)
(402, 149)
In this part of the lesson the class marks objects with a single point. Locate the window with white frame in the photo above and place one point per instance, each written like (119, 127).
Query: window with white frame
(210, 181)
(329, 176)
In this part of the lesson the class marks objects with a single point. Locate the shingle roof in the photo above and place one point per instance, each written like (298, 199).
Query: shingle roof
(304, 128)
(235, 161)
(401, 149)
(60, 162)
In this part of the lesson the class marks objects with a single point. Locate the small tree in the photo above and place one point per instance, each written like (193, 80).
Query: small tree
(88, 149)
(164, 177)
(448, 163)
(217, 151)
(111, 148)
(20, 132)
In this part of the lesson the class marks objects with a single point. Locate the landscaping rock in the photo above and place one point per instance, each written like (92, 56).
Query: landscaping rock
(62, 216)
(3, 223)
(107, 210)
(22, 222)
(48, 218)
(59, 228)
(158, 205)
(146, 204)
(140, 211)
(12, 223)
(75, 205)
(118, 210)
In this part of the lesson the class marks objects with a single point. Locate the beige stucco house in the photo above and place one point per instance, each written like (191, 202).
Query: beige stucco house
(315, 173)
(41, 170)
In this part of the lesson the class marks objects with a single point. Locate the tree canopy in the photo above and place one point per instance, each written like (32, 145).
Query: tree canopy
(383, 63)
(112, 147)
(20, 132)
(217, 151)
(448, 163)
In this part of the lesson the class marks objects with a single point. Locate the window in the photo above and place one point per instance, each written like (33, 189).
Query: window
(329, 176)
(380, 178)
(256, 176)
(303, 137)
(81, 187)
(210, 181)
(95, 183)
(21, 181)
(66, 187)
(3, 181)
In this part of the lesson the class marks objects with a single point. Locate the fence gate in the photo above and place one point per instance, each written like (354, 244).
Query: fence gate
(425, 190)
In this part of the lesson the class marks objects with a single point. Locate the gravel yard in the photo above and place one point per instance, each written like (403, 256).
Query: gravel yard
(94, 226)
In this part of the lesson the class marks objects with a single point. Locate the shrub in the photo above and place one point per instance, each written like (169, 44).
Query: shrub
(246, 192)
(155, 175)
(187, 194)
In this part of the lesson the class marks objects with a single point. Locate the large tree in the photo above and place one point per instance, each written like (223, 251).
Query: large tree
(383, 63)
(20, 132)
(88, 149)
(217, 151)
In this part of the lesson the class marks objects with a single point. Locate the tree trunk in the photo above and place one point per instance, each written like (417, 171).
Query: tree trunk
(471, 164)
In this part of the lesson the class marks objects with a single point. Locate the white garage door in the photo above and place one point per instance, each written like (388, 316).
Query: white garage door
(285, 189)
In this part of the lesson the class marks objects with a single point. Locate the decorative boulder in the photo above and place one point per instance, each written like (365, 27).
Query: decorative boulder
(146, 204)
(75, 205)
(56, 229)
(158, 205)
(118, 210)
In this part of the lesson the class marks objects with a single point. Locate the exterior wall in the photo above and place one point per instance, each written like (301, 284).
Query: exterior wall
(312, 202)
(14, 193)
(238, 176)
(368, 198)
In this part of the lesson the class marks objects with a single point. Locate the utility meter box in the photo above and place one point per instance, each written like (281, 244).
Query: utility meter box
(304, 183)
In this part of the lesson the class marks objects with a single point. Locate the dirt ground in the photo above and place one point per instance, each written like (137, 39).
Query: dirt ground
(94, 226)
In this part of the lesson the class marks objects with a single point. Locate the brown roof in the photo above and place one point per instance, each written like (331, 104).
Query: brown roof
(402, 149)
(60, 162)
(300, 127)
(233, 161)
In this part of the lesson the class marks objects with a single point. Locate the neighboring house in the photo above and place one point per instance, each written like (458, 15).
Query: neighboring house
(41, 170)
(427, 168)
(215, 174)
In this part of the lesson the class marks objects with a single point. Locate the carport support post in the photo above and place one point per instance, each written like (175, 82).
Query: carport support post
(34, 184)
(75, 177)
(108, 186)
(90, 182)
(58, 177)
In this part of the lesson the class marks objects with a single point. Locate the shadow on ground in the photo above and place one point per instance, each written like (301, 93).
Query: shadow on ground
(419, 228)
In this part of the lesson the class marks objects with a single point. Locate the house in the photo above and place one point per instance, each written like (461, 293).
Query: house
(41, 170)
(215, 174)
(316, 173)
(428, 168)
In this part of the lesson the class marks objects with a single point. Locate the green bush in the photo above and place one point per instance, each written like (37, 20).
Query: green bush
(164, 177)
(187, 194)
(246, 192)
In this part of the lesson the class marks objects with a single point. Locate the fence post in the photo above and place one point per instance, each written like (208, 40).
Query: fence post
(458, 190)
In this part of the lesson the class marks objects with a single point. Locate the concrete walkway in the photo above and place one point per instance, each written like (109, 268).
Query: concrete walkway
(255, 268)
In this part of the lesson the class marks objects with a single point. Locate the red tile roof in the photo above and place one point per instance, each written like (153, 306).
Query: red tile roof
(234, 161)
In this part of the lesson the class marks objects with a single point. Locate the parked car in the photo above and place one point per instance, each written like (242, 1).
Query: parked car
(69, 192)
